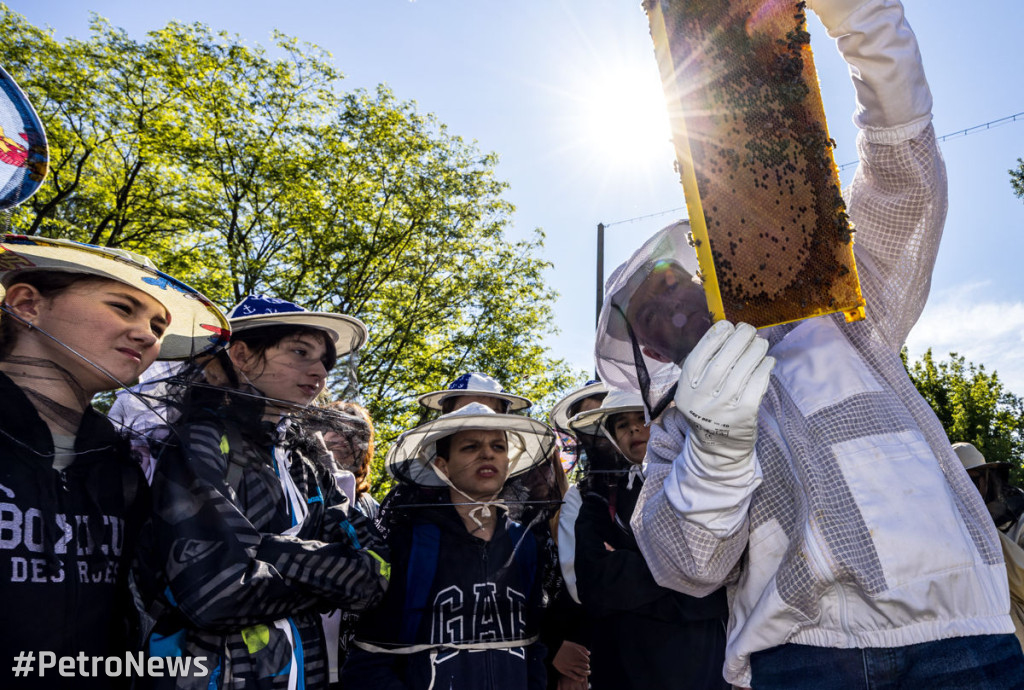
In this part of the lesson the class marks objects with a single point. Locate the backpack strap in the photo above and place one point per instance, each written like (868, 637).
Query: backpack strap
(419, 579)
(231, 447)
(524, 541)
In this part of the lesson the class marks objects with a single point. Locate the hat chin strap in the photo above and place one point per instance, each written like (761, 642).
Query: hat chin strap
(634, 472)
(482, 509)
(7, 311)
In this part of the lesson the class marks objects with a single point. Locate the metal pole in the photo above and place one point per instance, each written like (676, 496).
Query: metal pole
(600, 279)
(600, 272)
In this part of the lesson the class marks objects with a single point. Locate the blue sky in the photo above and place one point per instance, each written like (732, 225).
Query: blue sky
(567, 93)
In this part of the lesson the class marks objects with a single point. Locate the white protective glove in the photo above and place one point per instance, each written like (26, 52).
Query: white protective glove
(719, 393)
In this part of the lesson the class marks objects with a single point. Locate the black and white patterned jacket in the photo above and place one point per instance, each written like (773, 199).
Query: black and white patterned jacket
(227, 583)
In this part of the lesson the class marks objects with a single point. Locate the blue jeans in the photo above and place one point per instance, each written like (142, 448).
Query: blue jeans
(969, 663)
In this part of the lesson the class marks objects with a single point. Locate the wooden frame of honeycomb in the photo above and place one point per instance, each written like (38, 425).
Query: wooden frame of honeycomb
(773, 240)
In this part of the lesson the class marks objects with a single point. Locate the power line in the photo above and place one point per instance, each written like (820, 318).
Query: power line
(963, 132)
(952, 135)
(649, 215)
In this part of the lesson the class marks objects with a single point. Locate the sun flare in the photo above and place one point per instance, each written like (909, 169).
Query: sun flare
(625, 120)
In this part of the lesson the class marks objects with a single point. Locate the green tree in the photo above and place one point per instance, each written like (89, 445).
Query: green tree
(1017, 179)
(973, 406)
(102, 109)
(241, 169)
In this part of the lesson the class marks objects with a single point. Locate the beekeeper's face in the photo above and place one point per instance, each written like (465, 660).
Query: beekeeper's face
(668, 313)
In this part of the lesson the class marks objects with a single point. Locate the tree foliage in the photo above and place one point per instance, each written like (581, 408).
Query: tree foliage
(1017, 179)
(241, 169)
(973, 406)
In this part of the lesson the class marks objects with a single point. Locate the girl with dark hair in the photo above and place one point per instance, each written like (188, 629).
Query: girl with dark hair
(348, 434)
(565, 629)
(251, 538)
(351, 445)
(645, 635)
(77, 320)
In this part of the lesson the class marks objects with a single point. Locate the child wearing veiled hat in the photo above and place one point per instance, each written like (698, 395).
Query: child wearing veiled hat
(463, 610)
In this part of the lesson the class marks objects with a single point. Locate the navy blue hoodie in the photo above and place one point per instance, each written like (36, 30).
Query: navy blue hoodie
(66, 541)
(449, 588)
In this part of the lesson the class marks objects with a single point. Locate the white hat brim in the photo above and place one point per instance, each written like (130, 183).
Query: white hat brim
(434, 399)
(347, 332)
(559, 414)
(530, 442)
(196, 325)
(590, 422)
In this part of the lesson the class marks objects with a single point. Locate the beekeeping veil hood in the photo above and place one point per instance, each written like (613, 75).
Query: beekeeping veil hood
(654, 312)
(411, 457)
(530, 488)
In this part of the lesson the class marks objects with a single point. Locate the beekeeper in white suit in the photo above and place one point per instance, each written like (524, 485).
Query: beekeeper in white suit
(823, 490)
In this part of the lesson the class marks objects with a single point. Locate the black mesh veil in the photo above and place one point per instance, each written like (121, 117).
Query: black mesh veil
(170, 394)
(654, 312)
(605, 464)
(517, 561)
(531, 490)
